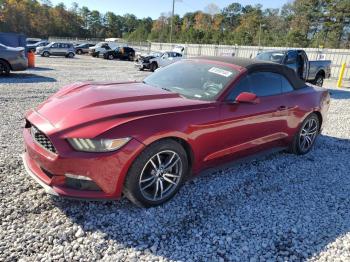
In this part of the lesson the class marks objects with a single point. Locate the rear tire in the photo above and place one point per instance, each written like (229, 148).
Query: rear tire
(110, 57)
(319, 80)
(305, 138)
(4, 68)
(157, 174)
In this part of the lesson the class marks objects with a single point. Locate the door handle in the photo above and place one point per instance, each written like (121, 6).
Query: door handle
(280, 108)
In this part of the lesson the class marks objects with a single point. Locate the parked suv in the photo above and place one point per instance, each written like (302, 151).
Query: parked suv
(12, 59)
(57, 49)
(125, 53)
(83, 48)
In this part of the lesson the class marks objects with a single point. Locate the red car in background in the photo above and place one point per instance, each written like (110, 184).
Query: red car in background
(102, 140)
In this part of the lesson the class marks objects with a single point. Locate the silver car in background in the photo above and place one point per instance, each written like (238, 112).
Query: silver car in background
(57, 49)
(12, 59)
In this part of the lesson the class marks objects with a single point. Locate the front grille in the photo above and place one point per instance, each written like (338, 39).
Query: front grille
(42, 139)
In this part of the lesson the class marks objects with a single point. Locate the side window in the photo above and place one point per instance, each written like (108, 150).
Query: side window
(265, 83)
(286, 85)
(242, 86)
(292, 58)
(54, 46)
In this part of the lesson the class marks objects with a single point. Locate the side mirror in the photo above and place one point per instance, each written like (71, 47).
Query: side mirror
(246, 97)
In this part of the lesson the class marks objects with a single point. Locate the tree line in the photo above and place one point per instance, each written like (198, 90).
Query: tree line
(299, 23)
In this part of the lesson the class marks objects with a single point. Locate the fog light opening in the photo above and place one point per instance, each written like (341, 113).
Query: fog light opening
(78, 177)
(80, 183)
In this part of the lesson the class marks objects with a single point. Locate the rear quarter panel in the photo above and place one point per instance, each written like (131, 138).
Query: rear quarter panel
(302, 103)
(318, 66)
(16, 61)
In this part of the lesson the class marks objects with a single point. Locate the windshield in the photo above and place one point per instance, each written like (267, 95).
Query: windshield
(156, 54)
(194, 80)
(273, 56)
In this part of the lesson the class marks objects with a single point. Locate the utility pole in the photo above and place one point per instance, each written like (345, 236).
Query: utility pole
(260, 27)
(259, 34)
(172, 21)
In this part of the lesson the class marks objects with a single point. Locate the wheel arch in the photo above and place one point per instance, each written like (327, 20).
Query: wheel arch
(7, 62)
(183, 142)
(320, 118)
(322, 73)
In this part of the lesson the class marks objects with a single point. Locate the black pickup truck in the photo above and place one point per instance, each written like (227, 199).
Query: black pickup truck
(311, 71)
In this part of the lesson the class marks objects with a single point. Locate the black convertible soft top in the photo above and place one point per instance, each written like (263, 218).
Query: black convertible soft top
(254, 65)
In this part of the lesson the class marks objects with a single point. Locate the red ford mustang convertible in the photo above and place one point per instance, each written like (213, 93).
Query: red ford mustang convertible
(102, 140)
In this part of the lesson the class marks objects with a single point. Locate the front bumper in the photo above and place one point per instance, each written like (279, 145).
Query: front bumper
(142, 65)
(106, 170)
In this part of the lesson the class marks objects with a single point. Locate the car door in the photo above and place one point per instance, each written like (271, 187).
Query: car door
(54, 49)
(165, 59)
(250, 127)
(63, 49)
(177, 57)
(291, 60)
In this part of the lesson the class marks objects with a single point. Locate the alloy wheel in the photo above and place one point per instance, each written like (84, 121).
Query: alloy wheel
(161, 175)
(308, 134)
(319, 81)
(2, 69)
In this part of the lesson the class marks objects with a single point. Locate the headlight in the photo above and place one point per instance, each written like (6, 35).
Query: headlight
(101, 145)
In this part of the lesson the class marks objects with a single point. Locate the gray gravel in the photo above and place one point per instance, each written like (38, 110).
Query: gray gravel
(278, 208)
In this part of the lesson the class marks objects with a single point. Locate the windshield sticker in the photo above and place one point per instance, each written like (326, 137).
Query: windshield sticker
(220, 71)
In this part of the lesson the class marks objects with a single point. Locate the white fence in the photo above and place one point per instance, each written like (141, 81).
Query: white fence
(337, 56)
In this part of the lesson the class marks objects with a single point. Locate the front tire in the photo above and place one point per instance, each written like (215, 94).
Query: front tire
(305, 138)
(110, 57)
(153, 66)
(70, 55)
(46, 54)
(79, 52)
(4, 68)
(157, 174)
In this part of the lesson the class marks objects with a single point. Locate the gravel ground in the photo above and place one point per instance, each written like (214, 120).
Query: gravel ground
(278, 208)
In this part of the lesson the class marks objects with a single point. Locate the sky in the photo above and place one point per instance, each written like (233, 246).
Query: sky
(153, 8)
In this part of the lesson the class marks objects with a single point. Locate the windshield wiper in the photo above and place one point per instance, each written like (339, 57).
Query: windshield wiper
(167, 89)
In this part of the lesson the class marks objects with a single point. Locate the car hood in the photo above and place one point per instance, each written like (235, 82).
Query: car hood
(146, 58)
(106, 105)
(15, 48)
